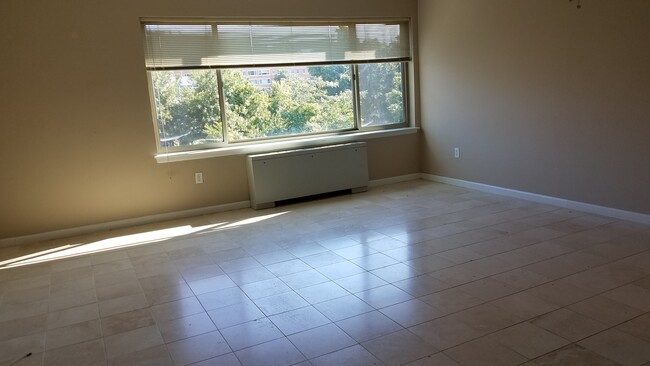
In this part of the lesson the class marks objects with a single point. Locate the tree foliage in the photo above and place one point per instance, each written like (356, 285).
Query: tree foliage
(188, 109)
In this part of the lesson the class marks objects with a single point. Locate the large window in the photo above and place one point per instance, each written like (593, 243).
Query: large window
(216, 84)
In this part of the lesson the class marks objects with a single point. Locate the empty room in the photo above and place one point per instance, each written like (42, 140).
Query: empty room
(284, 182)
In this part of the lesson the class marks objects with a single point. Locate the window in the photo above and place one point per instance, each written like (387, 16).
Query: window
(216, 84)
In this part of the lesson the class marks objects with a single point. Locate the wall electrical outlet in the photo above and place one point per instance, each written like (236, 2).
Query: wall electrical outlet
(457, 152)
(198, 177)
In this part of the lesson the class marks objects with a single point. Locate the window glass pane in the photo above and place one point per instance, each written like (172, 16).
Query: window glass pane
(381, 94)
(285, 101)
(187, 107)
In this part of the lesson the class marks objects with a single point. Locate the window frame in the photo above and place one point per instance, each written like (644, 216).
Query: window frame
(356, 104)
(404, 60)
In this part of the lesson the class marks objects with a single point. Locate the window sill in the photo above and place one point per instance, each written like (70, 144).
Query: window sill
(265, 147)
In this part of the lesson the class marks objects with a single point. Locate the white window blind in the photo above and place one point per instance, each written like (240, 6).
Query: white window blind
(227, 44)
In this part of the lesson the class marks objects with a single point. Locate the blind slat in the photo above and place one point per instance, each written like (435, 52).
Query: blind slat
(229, 45)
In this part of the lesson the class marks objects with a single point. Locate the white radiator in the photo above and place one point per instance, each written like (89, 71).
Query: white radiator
(298, 173)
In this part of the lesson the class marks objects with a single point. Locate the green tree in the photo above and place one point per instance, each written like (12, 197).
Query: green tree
(339, 77)
(186, 102)
(381, 93)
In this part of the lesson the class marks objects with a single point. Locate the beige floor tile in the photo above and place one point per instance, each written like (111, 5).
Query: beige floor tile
(456, 276)
(446, 332)
(529, 340)
(638, 327)
(281, 303)
(343, 307)
(521, 278)
(604, 310)
(108, 257)
(438, 359)
(569, 325)
(355, 355)
(591, 280)
(273, 257)
(484, 352)
(421, 285)
(128, 321)
(486, 262)
(81, 354)
(22, 327)
(72, 287)
(340, 270)
(399, 348)
(168, 294)
(222, 298)
(368, 326)
(176, 309)
(118, 290)
(70, 275)
(20, 296)
(122, 304)
(524, 306)
(15, 348)
(560, 293)
(299, 320)
(251, 333)
(322, 292)
(235, 314)
(486, 318)
(574, 355)
(132, 341)
(158, 356)
(115, 266)
(451, 300)
(198, 348)
(62, 302)
(487, 289)
(114, 278)
(356, 251)
(211, 284)
(322, 340)
(618, 346)
(277, 352)
(632, 295)
(72, 334)
(18, 311)
(288, 267)
(74, 315)
(360, 282)
(304, 279)
(411, 312)
(275, 286)
(380, 297)
(186, 327)
(161, 281)
(229, 359)
(396, 272)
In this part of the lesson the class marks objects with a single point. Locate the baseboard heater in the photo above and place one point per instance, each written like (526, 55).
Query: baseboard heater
(299, 173)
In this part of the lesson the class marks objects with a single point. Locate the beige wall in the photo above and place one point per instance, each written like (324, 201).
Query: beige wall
(539, 96)
(77, 137)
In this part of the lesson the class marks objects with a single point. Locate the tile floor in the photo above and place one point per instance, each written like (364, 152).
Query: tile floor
(415, 273)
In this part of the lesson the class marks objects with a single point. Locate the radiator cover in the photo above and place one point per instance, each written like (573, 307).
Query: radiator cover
(298, 173)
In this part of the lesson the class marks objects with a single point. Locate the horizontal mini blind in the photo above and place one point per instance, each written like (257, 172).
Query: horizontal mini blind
(227, 44)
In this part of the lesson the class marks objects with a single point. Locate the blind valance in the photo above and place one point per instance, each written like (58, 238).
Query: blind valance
(249, 44)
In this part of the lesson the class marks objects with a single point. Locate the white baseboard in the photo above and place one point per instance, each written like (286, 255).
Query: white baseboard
(81, 230)
(539, 198)
(391, 180)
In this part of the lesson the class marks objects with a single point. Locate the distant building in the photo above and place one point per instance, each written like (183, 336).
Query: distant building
(263, 78)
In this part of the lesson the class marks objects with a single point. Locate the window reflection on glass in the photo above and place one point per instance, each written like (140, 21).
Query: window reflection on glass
(381, 94)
